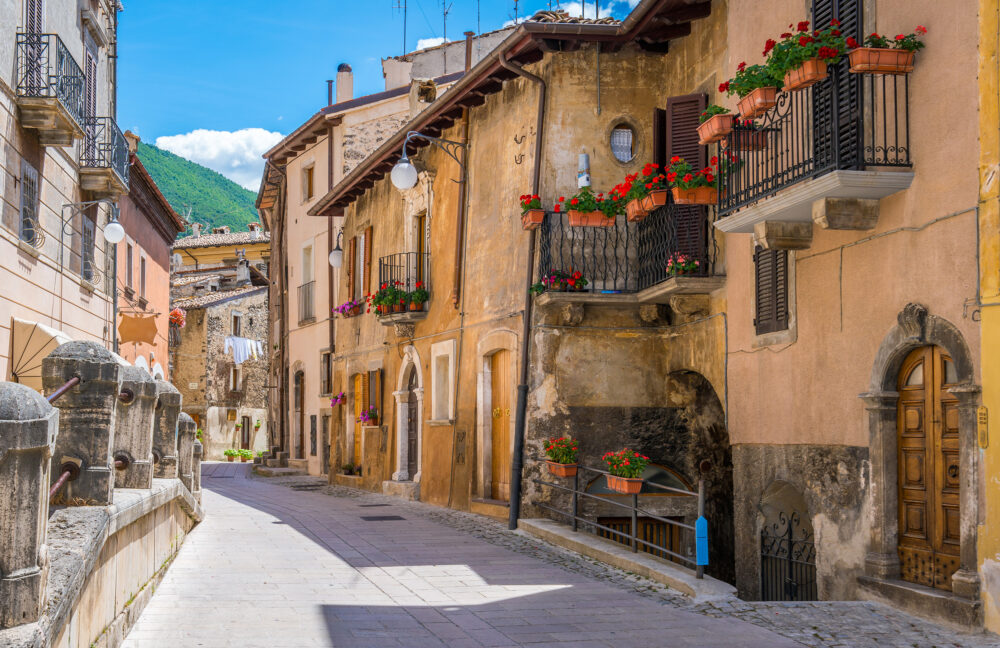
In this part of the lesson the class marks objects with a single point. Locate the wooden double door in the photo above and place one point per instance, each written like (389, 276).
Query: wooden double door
(929, 467)
(500, 428)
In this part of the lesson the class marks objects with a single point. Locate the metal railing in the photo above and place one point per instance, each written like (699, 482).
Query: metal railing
(696, 534)
(105, 147)
(405, 270)
(628, 257)
(45, 68)
(845, 122)
(307, 309)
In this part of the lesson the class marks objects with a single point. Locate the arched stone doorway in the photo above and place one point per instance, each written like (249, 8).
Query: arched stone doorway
(916, 329)
(409, 397)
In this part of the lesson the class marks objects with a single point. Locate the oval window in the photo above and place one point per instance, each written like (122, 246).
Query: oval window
(623, 142)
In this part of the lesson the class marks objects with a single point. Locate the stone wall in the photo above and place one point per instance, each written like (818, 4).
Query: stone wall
(361, 139)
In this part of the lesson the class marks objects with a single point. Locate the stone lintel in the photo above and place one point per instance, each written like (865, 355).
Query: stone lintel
(783, 235)
(845, 213)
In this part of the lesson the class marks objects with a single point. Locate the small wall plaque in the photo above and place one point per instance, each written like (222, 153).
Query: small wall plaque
(982, 426)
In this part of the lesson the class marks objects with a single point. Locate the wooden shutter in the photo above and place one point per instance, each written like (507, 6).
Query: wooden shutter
(839, 97)
(368, 261)
(90, 85)
(352, 251)
(681, 138)
(660, 137)
(771, 289)
(374, 391)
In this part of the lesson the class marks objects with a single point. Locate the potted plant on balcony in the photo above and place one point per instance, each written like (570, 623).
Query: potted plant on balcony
(369, 417)
(802, 58)
(560, 281)
(418, 297)
(880, 55)
(349, 308)
(257, 424)
(230, 454)
(532, 214)
(757, 88)
(681, 264)
(714, 123)
(178, 317)
(561, 455)
(589, 210)
(692, 187)
(239, 426)
(626, 467)
(657, 189)
(630, 192)
(338, 399)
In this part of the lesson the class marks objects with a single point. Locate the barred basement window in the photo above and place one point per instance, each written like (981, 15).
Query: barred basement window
(771, 290)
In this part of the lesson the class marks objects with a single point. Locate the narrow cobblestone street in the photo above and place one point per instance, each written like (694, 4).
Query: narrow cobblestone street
(294, 562)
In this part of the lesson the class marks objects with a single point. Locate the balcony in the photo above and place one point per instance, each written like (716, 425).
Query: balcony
(307, 310)
(404, 271)
(627, 263)
(49, 89)
(825, 154)
(104, 160)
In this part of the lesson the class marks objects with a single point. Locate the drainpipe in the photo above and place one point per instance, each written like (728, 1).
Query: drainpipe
(456, 280)
(517, 461)
(330, 238)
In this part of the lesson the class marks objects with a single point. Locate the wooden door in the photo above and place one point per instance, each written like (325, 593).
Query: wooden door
(360, 402)
(500, 465)
(928, 455)
(412, 421)
(300, 401)
(245, 433)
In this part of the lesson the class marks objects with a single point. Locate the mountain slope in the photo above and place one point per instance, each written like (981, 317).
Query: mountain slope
(213, 198)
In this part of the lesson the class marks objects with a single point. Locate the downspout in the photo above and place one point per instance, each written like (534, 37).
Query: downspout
(329, 241)
(517, 461)
(456, 281)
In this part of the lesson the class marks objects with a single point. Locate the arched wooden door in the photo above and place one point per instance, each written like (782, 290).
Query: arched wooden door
(500, 432)
(360, 402)
(411, 424)
(928, 454)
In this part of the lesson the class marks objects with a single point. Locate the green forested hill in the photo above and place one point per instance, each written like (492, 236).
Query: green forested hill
(213, 198)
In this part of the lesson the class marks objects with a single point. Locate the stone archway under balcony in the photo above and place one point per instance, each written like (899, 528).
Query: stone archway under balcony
(409, 387)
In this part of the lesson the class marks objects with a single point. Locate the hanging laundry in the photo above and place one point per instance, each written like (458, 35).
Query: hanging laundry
(242, 348)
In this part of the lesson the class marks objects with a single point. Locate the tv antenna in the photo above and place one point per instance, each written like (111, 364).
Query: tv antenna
(445, 10)
(401, 6)
(516, 3)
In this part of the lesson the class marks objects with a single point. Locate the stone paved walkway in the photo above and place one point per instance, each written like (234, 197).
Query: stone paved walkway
(294, 562)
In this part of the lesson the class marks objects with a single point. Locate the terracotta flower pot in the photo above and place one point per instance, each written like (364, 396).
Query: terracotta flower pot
(625, 485)
(589, 219)
(656, 198)
(562, 470)
(243, 459)
(355, 310)
(715, 128)
(877, 60)
(758, 102)
(696, 196)
(230, 459)
(811, 72)
(532, 218)
(634, 210)
(398, 308)
(416, 306)
(749, 140)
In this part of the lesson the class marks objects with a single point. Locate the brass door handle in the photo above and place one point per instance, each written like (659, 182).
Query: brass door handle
(953, 471)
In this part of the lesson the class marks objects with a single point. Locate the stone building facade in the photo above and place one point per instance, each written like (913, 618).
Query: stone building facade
(225, 297)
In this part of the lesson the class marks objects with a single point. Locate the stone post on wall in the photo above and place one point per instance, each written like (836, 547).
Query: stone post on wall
(186, 430)
(133, 439)
(199, 453)
(87, 414)
(28, 429)
(168, 408)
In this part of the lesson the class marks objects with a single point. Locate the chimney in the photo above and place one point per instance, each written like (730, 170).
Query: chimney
(196, 228)
(329, 92)
(345, 83)
(242, 272)
(468, 50)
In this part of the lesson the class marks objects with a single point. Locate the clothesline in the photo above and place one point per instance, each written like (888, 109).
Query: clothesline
(243, 349)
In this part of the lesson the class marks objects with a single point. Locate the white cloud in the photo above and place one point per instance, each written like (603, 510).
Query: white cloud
(234, 154)
(511, 23)
(631, 3)
(589, 9)
(424, 43)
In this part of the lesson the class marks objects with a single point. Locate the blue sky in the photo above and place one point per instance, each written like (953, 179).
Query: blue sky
(220, 81)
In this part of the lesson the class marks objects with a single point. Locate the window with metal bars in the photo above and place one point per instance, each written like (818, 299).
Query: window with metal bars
(29, 229)
(771, 290)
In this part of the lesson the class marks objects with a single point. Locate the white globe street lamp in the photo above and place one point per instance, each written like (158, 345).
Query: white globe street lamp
(337, 253)
(404, 174)
(114, 232)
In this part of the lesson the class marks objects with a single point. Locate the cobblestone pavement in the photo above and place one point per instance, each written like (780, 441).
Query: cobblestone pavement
(291, 562)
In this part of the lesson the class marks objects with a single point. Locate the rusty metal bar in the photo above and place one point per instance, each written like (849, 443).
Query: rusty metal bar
(70, 384)
(63, 478)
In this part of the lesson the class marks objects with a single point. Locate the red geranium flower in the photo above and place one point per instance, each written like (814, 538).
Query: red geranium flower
(851, 42)
(921, 30)
(805, 40)
(835, 22)
(803, 26)
(787, 34)
(742, 66)
(724, 86)
(575, 201)
(900, 36)
(769, 45)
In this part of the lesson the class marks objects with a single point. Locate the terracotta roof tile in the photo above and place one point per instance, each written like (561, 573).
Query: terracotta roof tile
(202, 301)
(219, 240)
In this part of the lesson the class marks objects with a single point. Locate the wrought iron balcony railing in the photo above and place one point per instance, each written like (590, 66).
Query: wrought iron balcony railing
(628, 257)
(307, 309)
(846, 122)
(406, 269)
(105, 147)
(45, 68)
